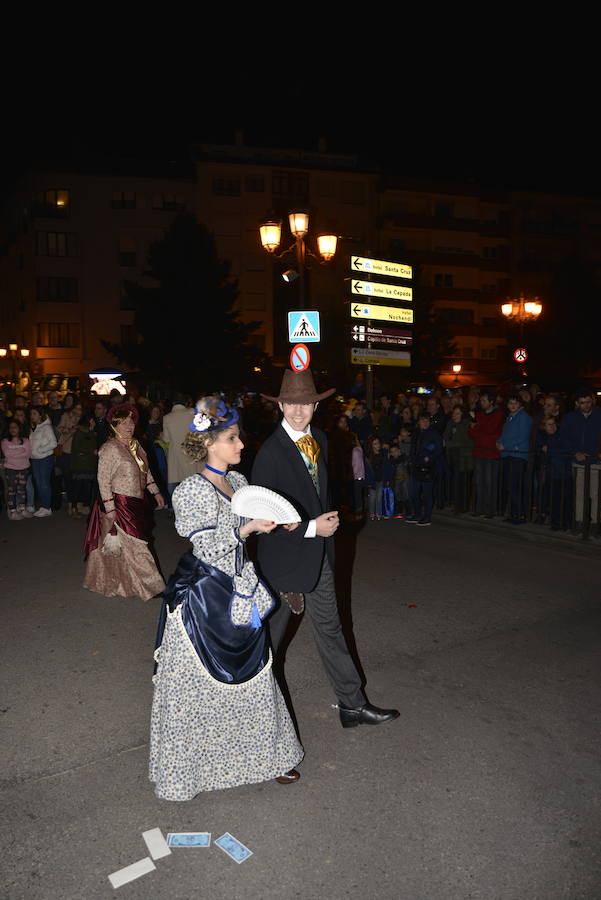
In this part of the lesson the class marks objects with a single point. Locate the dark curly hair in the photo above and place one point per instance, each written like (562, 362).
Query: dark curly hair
(196, 444)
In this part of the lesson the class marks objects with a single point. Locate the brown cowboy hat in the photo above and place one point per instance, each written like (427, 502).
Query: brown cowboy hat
(298, 387)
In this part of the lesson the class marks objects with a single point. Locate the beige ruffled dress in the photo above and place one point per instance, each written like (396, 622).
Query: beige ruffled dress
(130, 570)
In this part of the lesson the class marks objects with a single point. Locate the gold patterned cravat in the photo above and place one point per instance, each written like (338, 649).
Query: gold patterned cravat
(309, 446)
(134, 446)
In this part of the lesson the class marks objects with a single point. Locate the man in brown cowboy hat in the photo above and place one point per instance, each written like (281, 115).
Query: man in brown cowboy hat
(298, 560)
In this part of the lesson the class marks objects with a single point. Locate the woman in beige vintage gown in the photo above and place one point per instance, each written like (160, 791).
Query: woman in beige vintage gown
(119, 562)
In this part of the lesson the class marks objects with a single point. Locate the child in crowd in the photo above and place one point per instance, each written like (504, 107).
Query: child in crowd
(557, 474)
(379, 475)
(16, 450)
(84, 465)
(358, 464)
(399, 455)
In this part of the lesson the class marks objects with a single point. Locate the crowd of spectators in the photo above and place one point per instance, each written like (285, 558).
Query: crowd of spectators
(49, 451)
(514, 456)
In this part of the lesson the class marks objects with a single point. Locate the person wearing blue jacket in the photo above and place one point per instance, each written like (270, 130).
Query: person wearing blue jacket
(514, 444)
(425, 460)
(581, 429)
(556, 470)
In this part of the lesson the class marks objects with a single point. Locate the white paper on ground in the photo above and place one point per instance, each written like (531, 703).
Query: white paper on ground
(130, 873)
(156, 843)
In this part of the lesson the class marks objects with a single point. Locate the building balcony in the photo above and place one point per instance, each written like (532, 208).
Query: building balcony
(49, 211)
(485, 332)
(454, 295)
(444, 223)
(495, 229)
(455, 259)
(424, 220)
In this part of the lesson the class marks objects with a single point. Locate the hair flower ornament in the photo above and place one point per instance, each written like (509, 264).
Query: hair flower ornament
(212, 414)
(201, 422)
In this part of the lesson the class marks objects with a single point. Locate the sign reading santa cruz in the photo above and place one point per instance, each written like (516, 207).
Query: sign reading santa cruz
(380, 267)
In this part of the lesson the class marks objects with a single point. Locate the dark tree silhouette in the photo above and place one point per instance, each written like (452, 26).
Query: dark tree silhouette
(566, 338)
(188, 336)
(432, 337)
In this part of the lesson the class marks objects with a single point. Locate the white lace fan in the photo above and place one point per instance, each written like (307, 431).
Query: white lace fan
(255, 502)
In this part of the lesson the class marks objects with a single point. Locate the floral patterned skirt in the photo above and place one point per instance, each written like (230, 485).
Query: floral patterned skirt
(206, 734)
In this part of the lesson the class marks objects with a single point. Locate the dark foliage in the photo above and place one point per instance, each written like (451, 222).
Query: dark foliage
(188, 336)
(566, 337)
(432, 337)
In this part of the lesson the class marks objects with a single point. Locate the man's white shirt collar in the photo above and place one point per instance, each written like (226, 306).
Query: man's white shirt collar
(294, 435)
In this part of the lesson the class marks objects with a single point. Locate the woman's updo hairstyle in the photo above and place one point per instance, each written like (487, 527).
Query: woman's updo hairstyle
(196, 445)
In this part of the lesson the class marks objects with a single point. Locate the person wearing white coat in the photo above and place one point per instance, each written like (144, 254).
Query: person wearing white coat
(43, 442)
(176, 427)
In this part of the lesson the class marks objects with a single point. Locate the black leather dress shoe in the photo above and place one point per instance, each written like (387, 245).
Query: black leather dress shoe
(365, 715)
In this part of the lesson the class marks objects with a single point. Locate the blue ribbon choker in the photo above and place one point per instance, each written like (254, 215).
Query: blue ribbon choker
(216, 471)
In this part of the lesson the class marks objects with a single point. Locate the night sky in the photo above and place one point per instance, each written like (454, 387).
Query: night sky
(488, 128)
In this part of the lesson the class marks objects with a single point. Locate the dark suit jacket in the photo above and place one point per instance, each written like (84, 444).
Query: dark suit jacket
(287, 559)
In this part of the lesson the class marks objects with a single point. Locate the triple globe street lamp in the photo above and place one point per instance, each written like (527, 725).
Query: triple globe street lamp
(14, 351)
(271, 235)
(522, 311)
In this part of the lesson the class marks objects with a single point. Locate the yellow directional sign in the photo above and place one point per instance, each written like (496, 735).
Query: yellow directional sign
(360, 357)
(380, 267)
(376, 289)
(381, 313)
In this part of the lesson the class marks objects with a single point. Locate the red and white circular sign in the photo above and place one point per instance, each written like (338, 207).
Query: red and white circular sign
(520, 355)
(300, 358)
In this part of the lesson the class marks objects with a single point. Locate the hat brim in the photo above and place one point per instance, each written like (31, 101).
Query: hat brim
(300, 398)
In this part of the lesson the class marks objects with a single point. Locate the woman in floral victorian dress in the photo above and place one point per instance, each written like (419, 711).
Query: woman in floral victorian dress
(218, 717)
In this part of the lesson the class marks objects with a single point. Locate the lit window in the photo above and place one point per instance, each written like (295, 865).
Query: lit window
(54, 204)
(58, 334)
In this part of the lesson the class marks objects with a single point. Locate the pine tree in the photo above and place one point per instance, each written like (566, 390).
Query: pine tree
(432, 336)
(188, 336)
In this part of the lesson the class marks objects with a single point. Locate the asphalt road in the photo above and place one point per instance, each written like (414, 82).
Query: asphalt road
(488, 786)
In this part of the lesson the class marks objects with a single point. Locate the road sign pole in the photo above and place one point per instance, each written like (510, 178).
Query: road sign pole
(300, 257)
(369, 379)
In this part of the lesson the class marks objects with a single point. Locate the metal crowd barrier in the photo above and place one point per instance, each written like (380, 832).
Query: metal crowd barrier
(553, 491)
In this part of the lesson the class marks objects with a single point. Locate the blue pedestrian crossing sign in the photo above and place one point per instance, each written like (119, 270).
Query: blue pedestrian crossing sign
(303, 326)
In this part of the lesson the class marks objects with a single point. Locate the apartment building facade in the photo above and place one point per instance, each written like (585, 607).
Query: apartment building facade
(459, 242)
(70, 240)
(239, 186)
(69, 243)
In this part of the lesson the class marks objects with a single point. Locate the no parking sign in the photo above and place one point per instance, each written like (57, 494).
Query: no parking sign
(300, 358)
